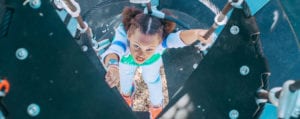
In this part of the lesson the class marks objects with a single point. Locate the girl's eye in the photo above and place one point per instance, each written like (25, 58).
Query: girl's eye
(149, 50)
(136, 46)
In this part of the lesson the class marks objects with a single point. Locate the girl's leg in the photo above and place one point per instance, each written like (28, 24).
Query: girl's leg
(151, 76)
(127, 73)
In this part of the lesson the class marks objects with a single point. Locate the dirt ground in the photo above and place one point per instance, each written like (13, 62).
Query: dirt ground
(141, 100)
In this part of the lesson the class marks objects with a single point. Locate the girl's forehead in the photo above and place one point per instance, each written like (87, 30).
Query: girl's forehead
(146, 38)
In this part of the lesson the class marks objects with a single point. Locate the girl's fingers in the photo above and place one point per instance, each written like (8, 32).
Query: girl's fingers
(111, 77)
(202, 40)
(114, 82)
(110, 82)
(108, 78)
(201, 32)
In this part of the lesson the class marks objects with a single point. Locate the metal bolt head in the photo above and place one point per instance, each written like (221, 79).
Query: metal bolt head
(234, 30)
(35, 4)
(84, 48)
(33, 110)
(21, 53)
(244, 70)
(233, 114)
(195, 65)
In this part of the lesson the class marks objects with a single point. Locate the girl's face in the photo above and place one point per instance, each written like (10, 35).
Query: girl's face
(142, 46)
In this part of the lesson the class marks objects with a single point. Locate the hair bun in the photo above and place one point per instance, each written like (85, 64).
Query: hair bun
(129, 14)
(169, 26)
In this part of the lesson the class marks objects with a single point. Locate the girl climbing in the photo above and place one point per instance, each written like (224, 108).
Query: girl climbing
(139, 42)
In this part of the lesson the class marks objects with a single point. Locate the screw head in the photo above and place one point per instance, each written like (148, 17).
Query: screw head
(195, 66)
(35, 4)
(234, 30)
(33, 110)
(233, 114)
(84, 48)
(244, 70)
(21, 53)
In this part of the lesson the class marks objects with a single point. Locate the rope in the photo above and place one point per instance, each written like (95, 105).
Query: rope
(221, 18)
(73, 8)
(211, 6)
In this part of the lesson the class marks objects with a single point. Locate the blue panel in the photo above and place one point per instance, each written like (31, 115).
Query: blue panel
(270, 112)
(256, 5)
(72, 26)
(62, 14)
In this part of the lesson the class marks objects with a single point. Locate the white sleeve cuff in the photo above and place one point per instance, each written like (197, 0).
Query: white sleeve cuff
(173, 41)
(112, 49)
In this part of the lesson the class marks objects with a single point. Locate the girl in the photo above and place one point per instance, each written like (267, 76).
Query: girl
(139, 42)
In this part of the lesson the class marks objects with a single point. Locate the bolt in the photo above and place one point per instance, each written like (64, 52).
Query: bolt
(84, 48)
(233, 114)
(33, 110)
(35, 4)
(234, 30)
(244, 70)
(21, 53)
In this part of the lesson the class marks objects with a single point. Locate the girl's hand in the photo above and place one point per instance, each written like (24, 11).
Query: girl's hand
(190, 36)
(112, 75)
(203, 41)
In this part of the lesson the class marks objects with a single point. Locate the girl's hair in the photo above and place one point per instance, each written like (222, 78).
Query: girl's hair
(134, 18)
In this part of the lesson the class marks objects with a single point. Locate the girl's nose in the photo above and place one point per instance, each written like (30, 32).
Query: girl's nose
(140, 53)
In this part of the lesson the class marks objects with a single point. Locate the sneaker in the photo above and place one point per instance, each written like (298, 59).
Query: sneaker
(154, 111)
(129, 99)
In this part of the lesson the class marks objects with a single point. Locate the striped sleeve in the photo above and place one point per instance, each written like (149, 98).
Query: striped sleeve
(173, 41)
(119, 43)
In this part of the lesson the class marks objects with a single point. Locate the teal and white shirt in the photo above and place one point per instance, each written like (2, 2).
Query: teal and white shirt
(120, 46)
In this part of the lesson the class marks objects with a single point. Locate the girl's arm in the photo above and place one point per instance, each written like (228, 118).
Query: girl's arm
(190, 36)
(112, 75)
(109, 57)
(117, 47)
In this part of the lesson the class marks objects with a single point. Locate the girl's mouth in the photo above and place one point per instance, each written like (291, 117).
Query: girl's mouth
(140, 59)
